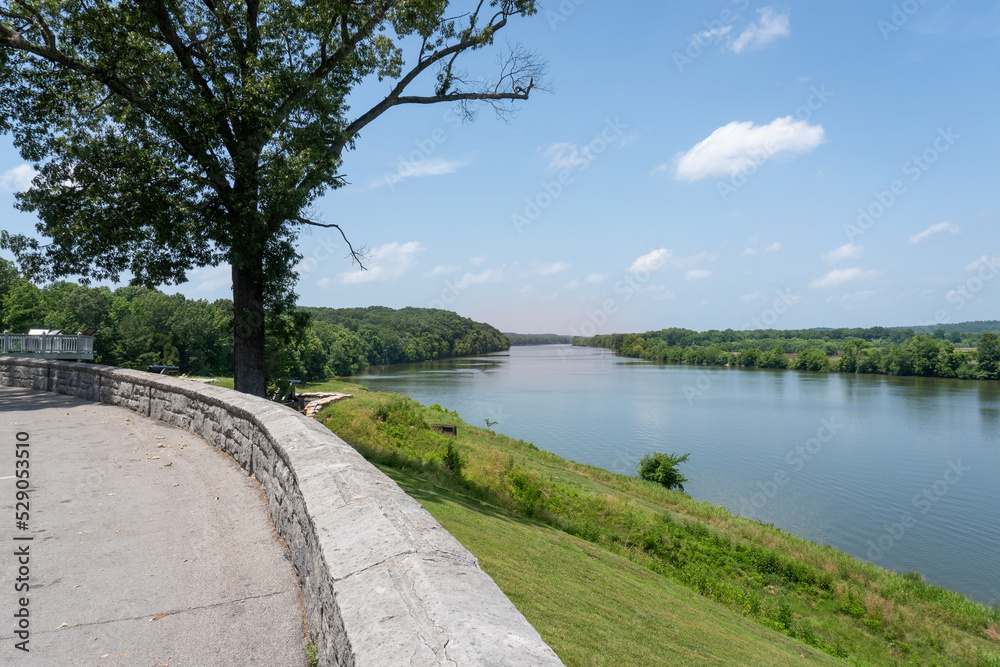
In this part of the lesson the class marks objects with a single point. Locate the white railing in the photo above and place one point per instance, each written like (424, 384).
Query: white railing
(50, 346)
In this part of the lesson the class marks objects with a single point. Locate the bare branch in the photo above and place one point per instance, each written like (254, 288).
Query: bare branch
(356, 255)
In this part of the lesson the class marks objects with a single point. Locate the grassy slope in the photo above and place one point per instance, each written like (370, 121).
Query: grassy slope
(594, 607)
(614, 570)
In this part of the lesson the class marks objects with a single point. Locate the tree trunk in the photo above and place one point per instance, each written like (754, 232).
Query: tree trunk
(248, 330)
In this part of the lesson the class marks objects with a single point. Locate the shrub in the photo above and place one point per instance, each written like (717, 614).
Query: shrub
(662, 469)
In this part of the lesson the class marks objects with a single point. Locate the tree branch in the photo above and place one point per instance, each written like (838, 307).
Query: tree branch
(356, 255)
(200, 153)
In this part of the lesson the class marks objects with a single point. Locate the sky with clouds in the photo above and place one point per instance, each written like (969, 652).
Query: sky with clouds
(724, 164)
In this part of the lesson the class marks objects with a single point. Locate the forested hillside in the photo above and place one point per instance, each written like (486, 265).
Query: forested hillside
(897, 351)
(409, 335)
(538, 339)
(138, 326)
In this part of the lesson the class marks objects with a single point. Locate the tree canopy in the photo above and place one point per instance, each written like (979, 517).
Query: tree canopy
(173, 134)
(138, 326)
(892, 351)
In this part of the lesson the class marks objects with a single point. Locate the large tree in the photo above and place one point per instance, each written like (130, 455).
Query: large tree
(174, 134)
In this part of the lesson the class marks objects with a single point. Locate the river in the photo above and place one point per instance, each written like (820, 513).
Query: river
(903, 472)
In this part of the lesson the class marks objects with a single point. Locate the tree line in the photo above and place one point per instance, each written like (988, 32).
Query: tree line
(139, 326)
(875, 350)
(538, 339)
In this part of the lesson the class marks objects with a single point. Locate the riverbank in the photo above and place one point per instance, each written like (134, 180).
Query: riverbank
(859, 351)
(567, 541)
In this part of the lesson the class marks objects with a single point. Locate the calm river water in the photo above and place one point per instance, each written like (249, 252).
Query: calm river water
(904, 472)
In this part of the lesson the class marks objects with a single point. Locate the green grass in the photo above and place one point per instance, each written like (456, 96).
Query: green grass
(612, 569)
(594, 607)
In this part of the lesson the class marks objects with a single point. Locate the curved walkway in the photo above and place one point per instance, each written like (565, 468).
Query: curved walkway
(151, 547)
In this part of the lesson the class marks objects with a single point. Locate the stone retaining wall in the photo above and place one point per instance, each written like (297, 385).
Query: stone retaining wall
(384, 583)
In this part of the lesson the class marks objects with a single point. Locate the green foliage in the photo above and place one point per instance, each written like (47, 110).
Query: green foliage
(988, 356)
(662, 469)
(139, 326)
(312, 654)
(811, 360)
(452, 459)
(382, 335)
(171, 138)
(538, 339)
(852, 604)
(899, 351)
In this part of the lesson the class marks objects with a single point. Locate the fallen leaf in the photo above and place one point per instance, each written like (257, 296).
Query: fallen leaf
(64, 625)
(104, 656)
(156, 618)
(153, 457)
(112, 494)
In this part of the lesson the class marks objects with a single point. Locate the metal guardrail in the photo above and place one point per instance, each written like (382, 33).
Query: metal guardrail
(47, 346)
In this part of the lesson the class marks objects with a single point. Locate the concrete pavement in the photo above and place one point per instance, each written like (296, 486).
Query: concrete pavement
(150, 546)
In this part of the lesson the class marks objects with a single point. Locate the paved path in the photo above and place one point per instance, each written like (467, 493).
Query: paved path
(150, 548)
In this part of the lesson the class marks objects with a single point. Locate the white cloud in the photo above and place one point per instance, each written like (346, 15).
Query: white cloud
(658, 292)
(663, 258)
(713, 35)
(755, 250)
(544, 269)
(932, 230)
(487, 276)
(564, 155)
(387, 263)
(17, 179)
(212, 278)
(753, 296)
(841, 276)
(769, 27)
(478, 260)
(844, 253)
(741, 145)
(595, 278)
(436, 166)
(697, 274)
(323, 283)
(441, 270)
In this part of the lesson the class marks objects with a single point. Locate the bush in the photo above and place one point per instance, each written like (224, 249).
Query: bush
(662, 469)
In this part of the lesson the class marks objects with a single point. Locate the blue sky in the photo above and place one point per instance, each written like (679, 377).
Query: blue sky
(726, 164)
